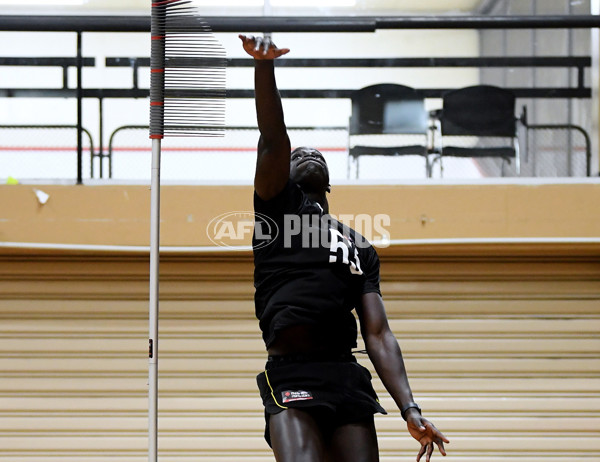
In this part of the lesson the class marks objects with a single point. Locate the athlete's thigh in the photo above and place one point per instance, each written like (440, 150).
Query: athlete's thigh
(356, 442)
(295, 437)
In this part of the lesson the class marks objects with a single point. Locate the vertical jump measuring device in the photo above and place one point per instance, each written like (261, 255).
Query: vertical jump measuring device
(187, 98)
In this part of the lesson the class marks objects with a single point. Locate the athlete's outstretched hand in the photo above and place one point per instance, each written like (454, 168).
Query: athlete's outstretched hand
(425, 433)
(262, 47)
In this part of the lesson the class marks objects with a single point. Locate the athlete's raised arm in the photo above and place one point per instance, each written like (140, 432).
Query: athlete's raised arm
(273, 160)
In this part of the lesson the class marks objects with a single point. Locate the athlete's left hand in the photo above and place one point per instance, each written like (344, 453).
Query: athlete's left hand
(425, 433)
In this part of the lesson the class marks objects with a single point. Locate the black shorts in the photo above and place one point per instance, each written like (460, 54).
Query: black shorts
(338, 392)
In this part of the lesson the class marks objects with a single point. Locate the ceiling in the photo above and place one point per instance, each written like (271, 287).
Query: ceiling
(233, 8)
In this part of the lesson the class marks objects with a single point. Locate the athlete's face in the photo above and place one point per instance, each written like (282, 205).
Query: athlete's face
(309, 170)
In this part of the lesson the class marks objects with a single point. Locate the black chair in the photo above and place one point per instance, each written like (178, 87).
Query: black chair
(572, 131)
(478, 122)
(388, 109)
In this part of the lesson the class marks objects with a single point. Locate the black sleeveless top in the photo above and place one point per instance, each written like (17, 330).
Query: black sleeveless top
(309, 269)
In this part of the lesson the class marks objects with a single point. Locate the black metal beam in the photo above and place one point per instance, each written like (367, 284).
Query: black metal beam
(489, 22)
(298, 24)
(44, 61)
(517, 61)
(291, 93)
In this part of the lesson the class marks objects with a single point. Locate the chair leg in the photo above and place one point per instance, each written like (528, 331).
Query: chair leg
(517, 157)
(436, 158)
(348, 166)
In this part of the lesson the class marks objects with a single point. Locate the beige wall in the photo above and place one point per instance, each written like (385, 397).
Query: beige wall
(119, 215)
(501, 338)
(501, 343)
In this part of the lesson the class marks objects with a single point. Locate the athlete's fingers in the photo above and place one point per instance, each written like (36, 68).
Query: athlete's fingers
(247, 39)
(441, 448)
(438, 435)
(268, 43)
(429, 452)
(265, 45)
(257, 43)
(421, 452)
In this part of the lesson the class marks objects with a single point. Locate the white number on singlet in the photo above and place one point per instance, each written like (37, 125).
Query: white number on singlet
(340, 242)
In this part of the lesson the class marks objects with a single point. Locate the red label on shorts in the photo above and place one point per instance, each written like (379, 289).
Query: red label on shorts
(299, 395)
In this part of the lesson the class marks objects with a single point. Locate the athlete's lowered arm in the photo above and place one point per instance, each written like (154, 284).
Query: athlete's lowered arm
(273, 161)
(385, 354)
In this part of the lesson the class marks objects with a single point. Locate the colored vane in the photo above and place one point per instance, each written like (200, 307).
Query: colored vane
(187, 82)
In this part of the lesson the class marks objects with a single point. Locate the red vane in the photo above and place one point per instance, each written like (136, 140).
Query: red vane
(156, 137)
(157, 103)
(164, 2)
(157, 37)
(157, 70)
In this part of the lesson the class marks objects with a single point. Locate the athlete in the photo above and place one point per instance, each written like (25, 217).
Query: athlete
(311, 272)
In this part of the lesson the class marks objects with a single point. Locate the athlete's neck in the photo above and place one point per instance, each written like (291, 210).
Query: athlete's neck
(320, 199)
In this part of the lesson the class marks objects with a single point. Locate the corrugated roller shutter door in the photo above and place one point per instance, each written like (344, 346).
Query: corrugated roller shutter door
(506, 366)
(75, 385)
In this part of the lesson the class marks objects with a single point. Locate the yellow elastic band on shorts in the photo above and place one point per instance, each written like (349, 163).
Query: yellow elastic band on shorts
(272, 392)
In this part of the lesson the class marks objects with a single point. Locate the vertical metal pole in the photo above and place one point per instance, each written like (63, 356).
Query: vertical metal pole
(109, 154)
(267, 12)
(153, 309)
(79, 111)
(595, 77)
(570, 103)
(504, 52)
(534, 102)
(101, 135)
